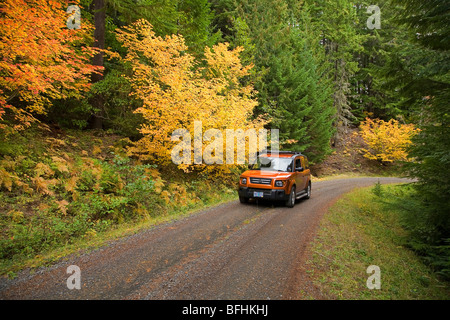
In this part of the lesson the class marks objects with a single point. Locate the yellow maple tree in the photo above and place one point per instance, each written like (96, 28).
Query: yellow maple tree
(387, 140)
(176, 90)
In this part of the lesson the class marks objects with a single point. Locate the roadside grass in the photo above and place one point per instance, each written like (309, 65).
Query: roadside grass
(365, 228)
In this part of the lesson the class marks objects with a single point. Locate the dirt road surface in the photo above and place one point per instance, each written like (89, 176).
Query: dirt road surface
(231, 251)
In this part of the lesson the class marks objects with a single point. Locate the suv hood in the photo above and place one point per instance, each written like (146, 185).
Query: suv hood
(266, 174)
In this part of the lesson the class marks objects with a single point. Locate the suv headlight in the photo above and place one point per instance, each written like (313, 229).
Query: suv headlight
(244, 181)
(279, 183)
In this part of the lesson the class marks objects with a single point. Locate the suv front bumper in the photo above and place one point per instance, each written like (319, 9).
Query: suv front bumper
(268, 194)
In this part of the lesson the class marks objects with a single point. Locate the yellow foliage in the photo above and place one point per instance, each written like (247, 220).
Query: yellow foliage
(96, 150)
(165, 195)
(158, 185)
(25, 187)
(120, 184)
(179, 194)
(71, 184)
(5, 179)
(43, 186)
(153, 173)
(56, 143)
(8, 180)
(140, 211)
(175, 94)
(8, 163)
(43, 207)
(42, 169)
(61, 164)
(62, 206)
(16, 216)
(387, 141)
(91, 233)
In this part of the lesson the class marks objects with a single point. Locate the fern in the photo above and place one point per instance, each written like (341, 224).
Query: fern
(60, 164)
(43, 186)
(42, 169)
(5, 180)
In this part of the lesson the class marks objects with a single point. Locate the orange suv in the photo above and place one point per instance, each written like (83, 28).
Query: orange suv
(278, 176)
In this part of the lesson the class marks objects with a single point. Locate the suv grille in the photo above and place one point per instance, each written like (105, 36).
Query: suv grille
(260, 180)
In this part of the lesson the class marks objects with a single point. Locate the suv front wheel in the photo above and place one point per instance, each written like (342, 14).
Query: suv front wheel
(290, 202)
(243, 199)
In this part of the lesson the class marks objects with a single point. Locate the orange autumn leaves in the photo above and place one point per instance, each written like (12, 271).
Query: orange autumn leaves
(41, 59)
(177, 90)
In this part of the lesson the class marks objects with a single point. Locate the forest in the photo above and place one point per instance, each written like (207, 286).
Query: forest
(74, 74)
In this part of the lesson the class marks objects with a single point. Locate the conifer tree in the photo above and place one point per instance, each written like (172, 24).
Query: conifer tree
(292, 91)
(337, 22)
(426, 88)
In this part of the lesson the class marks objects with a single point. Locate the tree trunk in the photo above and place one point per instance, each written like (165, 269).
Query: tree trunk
(99, 42)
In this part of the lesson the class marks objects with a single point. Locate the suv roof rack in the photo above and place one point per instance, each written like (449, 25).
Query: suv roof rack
(280, 152)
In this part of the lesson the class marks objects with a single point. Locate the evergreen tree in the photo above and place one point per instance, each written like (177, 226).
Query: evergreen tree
(290, 85)
(374, 86)
(337, 22)
(194, 23)
(312, 94)
(426, 88)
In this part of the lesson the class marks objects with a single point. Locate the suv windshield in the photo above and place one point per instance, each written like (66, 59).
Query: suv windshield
(273, 164)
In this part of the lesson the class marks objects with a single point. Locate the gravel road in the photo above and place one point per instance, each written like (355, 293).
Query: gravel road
(231, 251)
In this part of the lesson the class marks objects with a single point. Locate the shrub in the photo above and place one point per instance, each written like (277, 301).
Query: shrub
(387, 141)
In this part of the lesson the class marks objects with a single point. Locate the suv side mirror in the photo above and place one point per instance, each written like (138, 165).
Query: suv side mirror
(299, 169)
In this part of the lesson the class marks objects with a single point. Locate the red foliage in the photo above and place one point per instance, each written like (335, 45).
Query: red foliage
(40, 58)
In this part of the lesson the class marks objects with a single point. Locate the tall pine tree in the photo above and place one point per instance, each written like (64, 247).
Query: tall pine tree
(424, 83)
(338, 24)
(290, 84)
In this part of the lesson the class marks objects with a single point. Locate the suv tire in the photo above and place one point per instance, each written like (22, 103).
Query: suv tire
(290, 202)
(308, 191)
(243, 200)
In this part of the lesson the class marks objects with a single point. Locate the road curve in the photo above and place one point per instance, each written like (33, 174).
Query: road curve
(231, 251)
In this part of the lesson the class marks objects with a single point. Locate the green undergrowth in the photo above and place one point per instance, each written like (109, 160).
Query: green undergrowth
(63, 191)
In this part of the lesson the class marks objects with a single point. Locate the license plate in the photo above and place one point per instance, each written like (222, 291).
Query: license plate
(258, 194)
